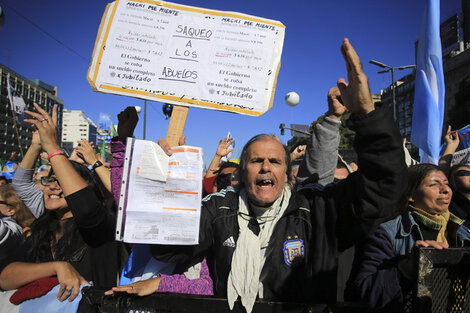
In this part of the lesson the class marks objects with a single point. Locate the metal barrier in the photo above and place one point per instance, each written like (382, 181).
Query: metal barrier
(443, 283)
(178, 303)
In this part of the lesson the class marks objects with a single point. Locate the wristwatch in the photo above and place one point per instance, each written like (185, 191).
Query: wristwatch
(97, 164)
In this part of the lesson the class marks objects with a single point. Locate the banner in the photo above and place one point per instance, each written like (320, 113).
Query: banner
(187, 56)
(104, 121)
(17, 104)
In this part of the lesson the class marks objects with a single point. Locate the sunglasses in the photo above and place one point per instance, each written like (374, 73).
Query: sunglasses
(462, 173)
(46, 181)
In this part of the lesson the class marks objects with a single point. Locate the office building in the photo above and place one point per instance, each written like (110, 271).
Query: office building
(16, 137)
(77, 126)
(455, 38)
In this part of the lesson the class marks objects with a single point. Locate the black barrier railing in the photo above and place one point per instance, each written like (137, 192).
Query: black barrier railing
(443, 285)
(178, 303)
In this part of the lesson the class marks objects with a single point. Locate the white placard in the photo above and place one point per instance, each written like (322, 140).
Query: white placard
(158, 210)
(188, 56)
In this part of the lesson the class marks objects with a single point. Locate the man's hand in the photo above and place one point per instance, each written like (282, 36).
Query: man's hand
(127, 122)
(336, 109)
(298, 152)
(166, 146)
(355, 95)
(452, 137)
(224, 147)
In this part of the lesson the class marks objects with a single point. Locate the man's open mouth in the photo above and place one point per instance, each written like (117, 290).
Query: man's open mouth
(265, 183)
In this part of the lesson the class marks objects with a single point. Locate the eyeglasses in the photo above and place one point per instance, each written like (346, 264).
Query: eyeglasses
(46, 181)
(462, 173)
(5, 203)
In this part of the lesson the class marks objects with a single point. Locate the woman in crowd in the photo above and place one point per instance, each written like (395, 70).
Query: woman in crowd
(74, 238)
(14, 223)
(11, 205)
(387, 270)
(460, 182)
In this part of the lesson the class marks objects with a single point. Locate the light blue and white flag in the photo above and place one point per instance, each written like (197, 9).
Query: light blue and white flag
(428, 111)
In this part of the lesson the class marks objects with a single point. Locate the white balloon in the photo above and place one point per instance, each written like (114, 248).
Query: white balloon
(292, 99)
(138, 109)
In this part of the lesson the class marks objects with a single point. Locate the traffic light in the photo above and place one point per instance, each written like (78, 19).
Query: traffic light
(167, 109)
(282, 126)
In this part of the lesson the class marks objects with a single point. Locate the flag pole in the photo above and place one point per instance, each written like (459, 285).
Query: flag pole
(10, 98)
(17, 133)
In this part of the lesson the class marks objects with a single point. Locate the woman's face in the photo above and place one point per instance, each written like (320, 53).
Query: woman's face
(433, 194)
(54, 198)
(462, 179)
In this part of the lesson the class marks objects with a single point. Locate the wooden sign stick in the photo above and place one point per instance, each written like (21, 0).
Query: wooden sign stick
(176, 126)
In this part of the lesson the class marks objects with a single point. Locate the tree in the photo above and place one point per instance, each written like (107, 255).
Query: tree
(297, 142)
(346, 135)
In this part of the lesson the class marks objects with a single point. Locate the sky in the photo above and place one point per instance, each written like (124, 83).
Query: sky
(311, 59)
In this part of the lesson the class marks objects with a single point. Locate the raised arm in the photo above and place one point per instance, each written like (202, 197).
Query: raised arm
(452, 140)
(85, 151)
(22, 181)
(222, 150)
(369, 195)
(69, 180)
(128, 120)
(320, 159)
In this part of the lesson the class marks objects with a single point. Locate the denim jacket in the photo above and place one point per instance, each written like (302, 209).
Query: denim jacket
(378, 280)
(405, 231)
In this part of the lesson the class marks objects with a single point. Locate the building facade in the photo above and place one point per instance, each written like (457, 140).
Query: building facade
(16, 137)
(455, 37)
(77, 126)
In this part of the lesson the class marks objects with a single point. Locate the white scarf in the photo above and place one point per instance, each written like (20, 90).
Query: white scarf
(249, 255)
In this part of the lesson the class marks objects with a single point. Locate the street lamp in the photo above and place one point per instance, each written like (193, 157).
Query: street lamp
(283, 127)
(392, 69)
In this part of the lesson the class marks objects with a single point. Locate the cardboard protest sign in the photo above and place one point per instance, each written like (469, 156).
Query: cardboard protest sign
(187, 56)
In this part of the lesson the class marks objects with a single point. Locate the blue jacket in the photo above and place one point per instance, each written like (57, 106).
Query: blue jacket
(379, 282)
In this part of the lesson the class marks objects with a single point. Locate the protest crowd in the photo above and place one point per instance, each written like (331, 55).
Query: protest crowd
(274, 225)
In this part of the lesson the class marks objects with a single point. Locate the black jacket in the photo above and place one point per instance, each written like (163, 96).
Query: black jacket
(301, 259)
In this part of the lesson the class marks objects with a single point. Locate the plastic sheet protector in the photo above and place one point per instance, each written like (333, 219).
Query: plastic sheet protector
(160, 199)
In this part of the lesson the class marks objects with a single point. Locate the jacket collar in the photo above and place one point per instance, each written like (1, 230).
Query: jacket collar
(408, 222)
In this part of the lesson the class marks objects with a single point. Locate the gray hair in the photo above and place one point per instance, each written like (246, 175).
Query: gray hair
(244, 156)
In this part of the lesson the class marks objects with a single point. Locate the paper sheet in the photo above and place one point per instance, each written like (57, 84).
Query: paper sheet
(161, 211)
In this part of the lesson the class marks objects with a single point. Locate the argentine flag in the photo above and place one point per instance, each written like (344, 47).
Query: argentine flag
(428, 110)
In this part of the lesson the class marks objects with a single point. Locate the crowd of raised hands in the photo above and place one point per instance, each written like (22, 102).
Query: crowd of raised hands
(69, 232)
(71, 196)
